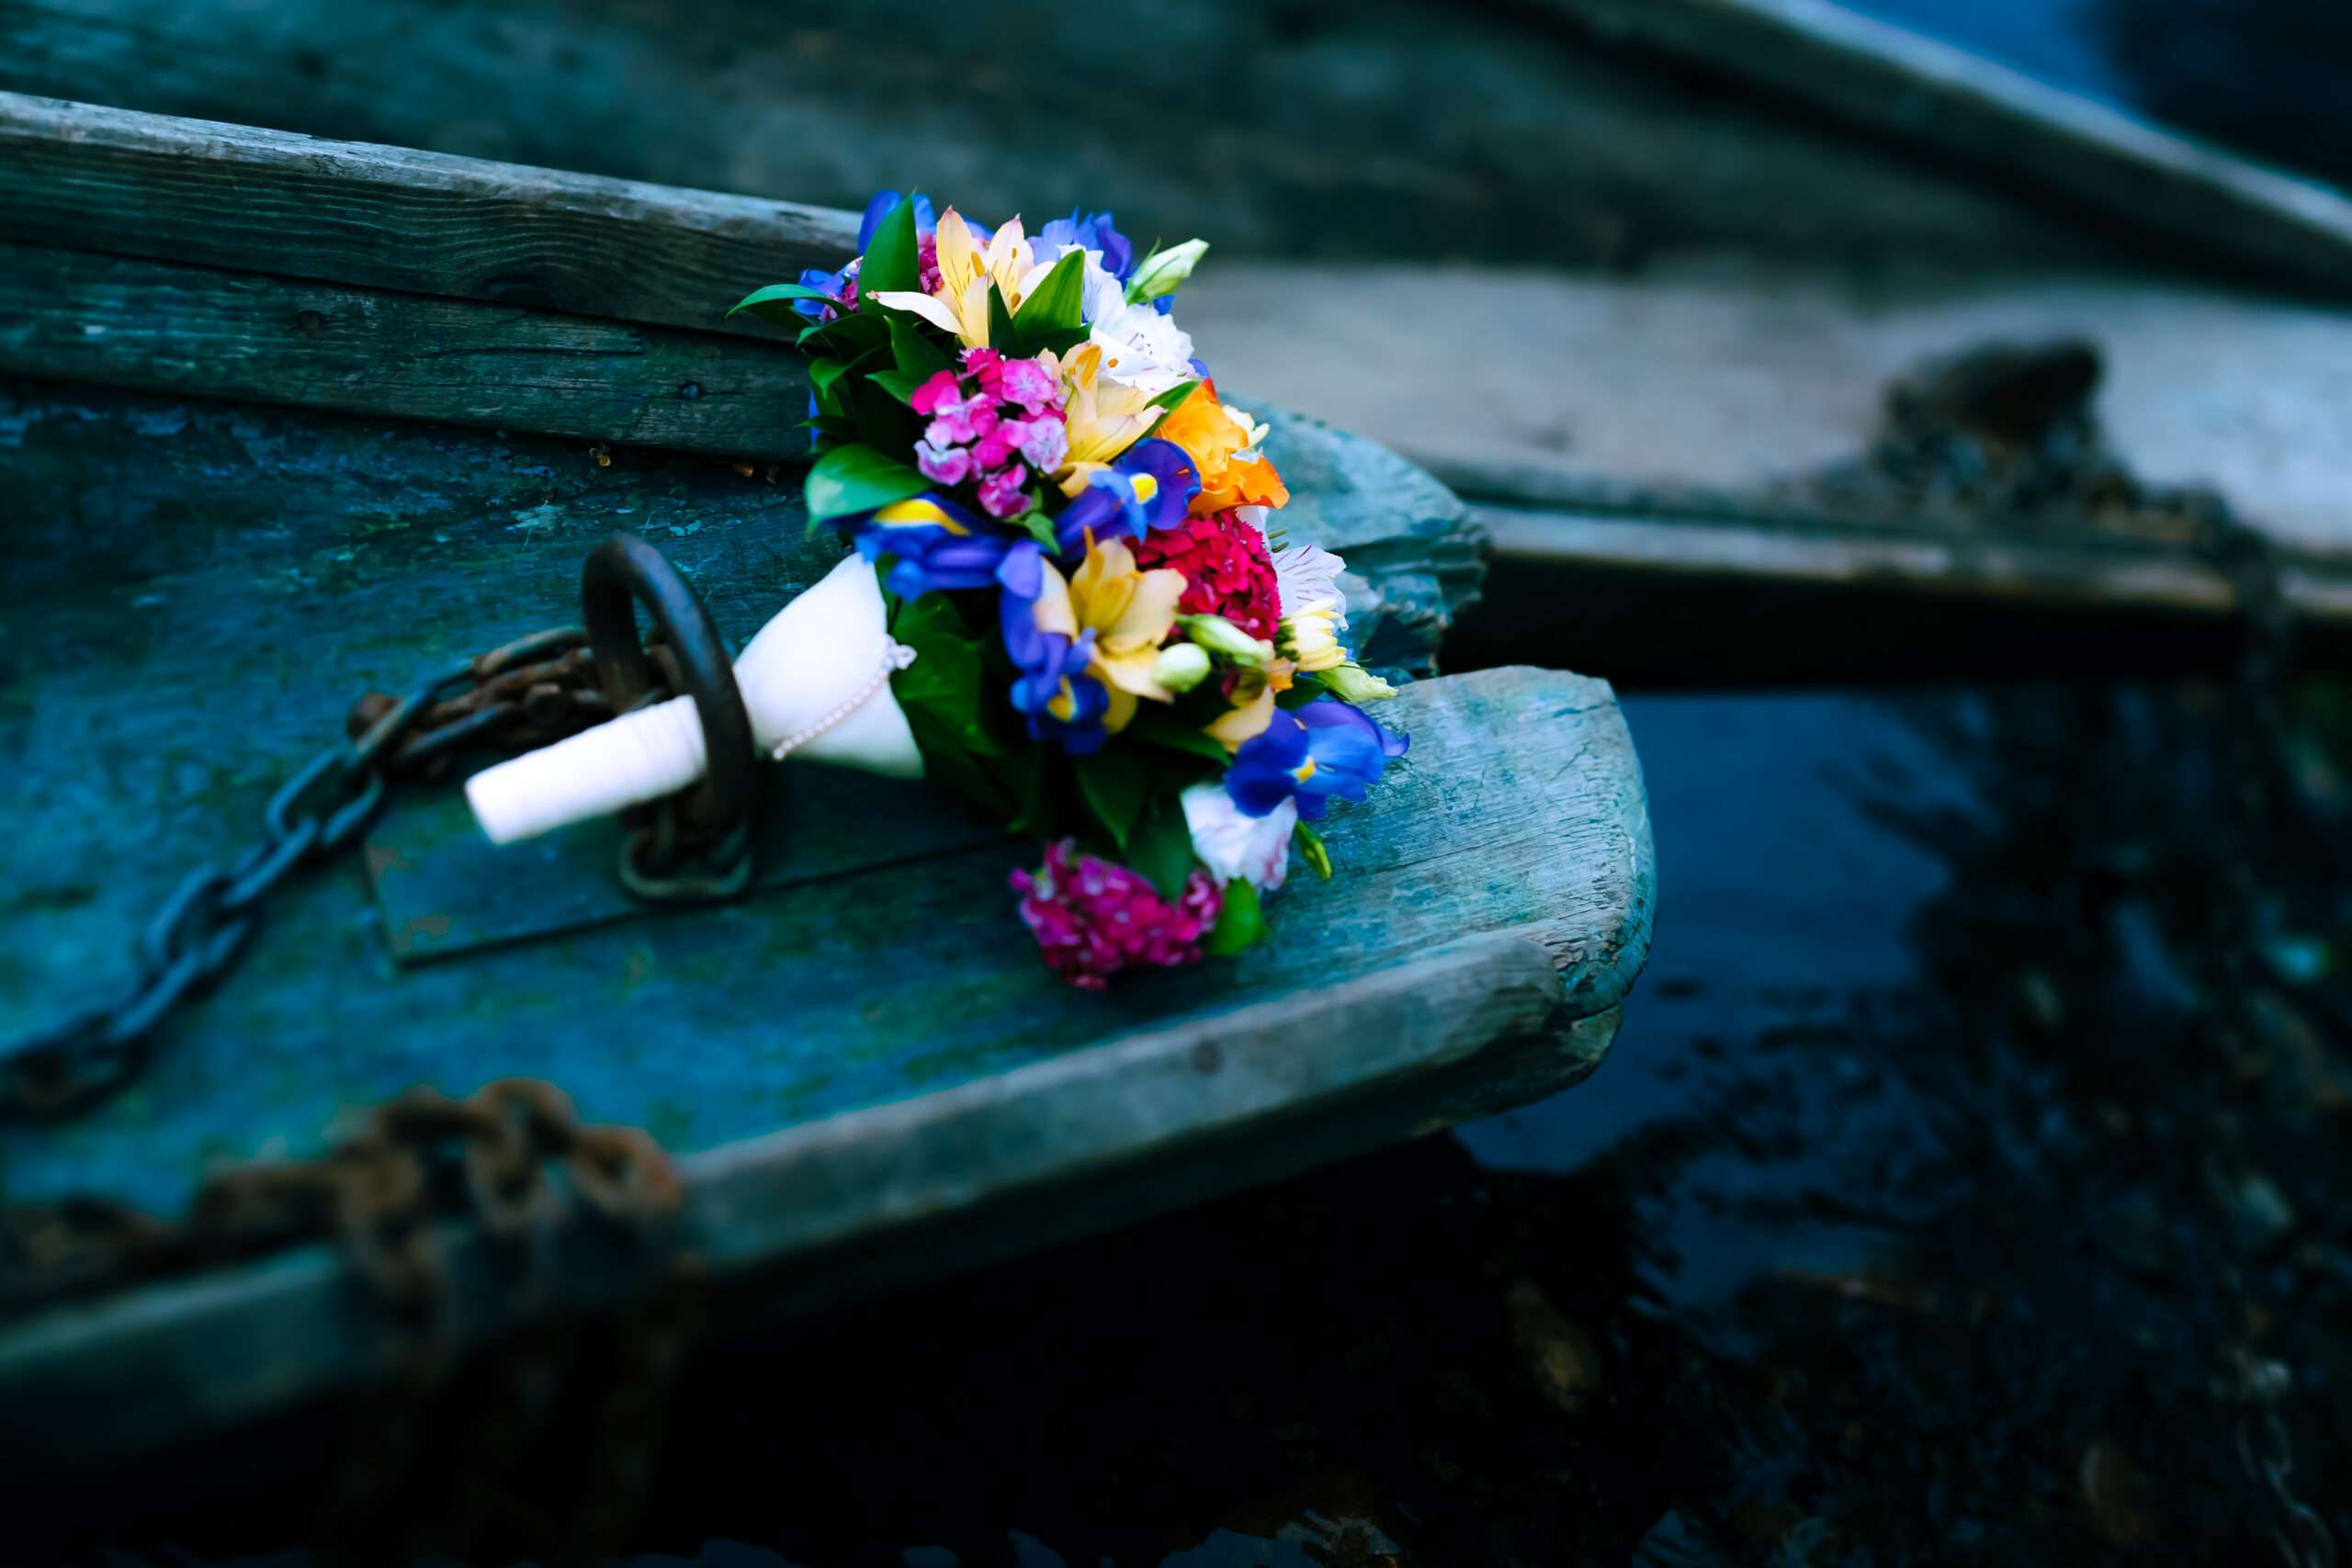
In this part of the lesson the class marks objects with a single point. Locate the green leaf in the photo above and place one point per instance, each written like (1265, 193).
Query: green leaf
(822, 380)
(1159, 848)
(1310, 848)
(945, 678)
(845, 337)
(858, 479)
(912, 348)
(947, 760)
(1160, 729)
(893, 259)
(1161, 271)
(883, 421)
(1001, 335)
(898, 383)
(1055, 304)
(1030, 787)
(1039, 528)
(1116, 786)
(1240, 923)
(1304, 689)
(774, 303)
(1175, 395)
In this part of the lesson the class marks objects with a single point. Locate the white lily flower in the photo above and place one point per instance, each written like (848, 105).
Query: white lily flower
(1143, 349)
(1306, 580)
(1232, 843)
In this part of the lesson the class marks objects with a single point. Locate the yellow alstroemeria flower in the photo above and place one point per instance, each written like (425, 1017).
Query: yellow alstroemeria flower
(1311, 638)
(960, 303)
(1101, 418)
(1130, 614)
(1246, 722)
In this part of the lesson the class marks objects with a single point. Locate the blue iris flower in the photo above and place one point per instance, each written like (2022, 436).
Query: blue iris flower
(884, 203)
(1150, 486)
(1310, 754)
(834, 282)
(1052, 691)
(1092, 231)
(933, 544)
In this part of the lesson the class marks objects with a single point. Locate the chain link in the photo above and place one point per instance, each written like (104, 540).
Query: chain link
(410, 1161)
(525, 693)
(415, 1160)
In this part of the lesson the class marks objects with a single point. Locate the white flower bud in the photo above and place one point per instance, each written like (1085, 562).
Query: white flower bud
(1161, 271)
(1181, 666)
(1227, 641)
(1352, 683)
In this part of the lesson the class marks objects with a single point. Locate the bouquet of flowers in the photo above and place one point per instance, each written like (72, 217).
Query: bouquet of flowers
(1064, 601)
(1111, 649)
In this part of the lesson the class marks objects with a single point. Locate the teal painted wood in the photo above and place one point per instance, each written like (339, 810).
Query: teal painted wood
(163, 326)
(868, 1065)
(1523, 813)
(83, 177)
(196, 592)
(863, 1058)
(821, 1216)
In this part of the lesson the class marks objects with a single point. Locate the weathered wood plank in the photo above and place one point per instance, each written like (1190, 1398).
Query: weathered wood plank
(1693, 600)
(1714, 391)
(1527, 139)
(1890, 82)
(907, 991)
(262, 566)
(1652, 456)
(2019, 568)
(87, 178)
(167, 327)
(835, 1209)
(1523, 813)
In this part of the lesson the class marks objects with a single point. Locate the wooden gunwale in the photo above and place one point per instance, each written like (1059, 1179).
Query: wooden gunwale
(216, 260)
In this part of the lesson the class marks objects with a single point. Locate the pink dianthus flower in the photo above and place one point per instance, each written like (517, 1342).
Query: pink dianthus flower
(1092, 918)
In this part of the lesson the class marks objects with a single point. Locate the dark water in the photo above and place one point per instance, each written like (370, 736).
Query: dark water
(1969, 1185)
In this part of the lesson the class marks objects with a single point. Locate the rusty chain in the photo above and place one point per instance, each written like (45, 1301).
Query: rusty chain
(516, 1157)
(526, 694)
(413, 1160)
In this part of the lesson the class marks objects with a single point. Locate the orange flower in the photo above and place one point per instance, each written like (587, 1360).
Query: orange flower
(1222, 443)
(1253, 482)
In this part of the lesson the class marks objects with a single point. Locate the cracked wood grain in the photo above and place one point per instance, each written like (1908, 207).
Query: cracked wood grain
(85, 177)
(170, 327)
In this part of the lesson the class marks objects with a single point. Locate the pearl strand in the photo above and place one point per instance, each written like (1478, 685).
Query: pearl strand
(896, 656)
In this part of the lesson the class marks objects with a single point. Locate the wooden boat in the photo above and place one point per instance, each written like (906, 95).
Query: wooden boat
(284, 420)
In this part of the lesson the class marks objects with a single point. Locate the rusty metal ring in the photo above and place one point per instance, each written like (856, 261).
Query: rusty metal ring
(625, 571)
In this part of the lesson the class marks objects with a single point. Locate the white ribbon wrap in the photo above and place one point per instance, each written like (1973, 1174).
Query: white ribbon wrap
(816, 680)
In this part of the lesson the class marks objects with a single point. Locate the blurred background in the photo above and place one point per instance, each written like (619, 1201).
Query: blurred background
(1959, 498)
